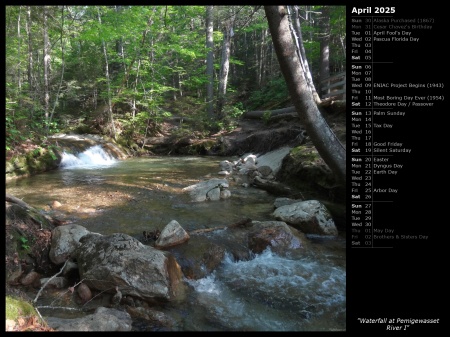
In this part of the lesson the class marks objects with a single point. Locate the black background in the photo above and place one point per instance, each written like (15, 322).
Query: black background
(406, 281)
(410, 279)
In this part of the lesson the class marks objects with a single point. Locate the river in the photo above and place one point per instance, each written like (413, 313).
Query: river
(299, 292)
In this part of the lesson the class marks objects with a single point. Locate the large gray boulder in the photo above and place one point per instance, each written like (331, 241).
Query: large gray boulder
(138, 270)
(310, 216)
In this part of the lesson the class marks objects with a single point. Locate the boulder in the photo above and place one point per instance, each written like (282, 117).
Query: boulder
(104, 319)
(199, 257)
(173, 234)
(226, 165)
(138, 270)
(65, 240)
(208, 190)
(310, 216)
(275, 234)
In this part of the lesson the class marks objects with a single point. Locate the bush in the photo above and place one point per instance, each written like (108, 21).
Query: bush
(274, 91)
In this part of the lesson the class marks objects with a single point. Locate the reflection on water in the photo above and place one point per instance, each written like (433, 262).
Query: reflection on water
(268, 292)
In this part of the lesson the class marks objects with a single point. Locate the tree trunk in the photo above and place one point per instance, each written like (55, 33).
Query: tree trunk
(261, 58)
(30, 51)
(135, 89)
(323, 138)
(225, 64)
(12, 199)
(325, 48)
(19, 47)
(62, 72)
(210, 61)
(223, 77)
(108, 81)
(119, 46)
(46, 67)
(301, 50)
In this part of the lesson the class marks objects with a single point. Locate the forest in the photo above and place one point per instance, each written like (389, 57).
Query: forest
(119, 71)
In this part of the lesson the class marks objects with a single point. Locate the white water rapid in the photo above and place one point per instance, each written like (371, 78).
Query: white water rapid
(93, 158)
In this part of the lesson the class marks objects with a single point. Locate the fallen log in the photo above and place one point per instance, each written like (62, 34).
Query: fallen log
(206, 230)
(32, 211)
(330, 104)
(258, 114)
(240, 224)
(13, 199)
(158, 140)
(286, 116)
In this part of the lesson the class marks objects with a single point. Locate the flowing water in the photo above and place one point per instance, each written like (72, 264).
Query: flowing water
(299, 292)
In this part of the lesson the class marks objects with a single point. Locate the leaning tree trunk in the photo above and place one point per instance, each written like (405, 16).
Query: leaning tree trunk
(301, 49)
(323, 138)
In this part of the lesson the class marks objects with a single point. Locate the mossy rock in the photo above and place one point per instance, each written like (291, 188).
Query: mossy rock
(305, 153)
(37, 161)
(305, 169)
(18, 311)
(16, 308)
(28, 235)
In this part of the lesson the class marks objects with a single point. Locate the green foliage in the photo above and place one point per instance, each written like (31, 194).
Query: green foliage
(232, 114)
(266, 117)
(24, 243)
(156, 56)
(51, 149)
(235, 111)
(36, 152)
(51, 126)
(275, 91)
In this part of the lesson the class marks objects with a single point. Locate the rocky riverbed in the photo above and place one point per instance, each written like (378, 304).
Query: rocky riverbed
(29, 231)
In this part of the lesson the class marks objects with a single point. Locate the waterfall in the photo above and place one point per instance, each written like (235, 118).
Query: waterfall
(92, 158)
(86, 151)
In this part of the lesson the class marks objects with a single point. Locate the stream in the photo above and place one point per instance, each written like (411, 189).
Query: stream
(299, 292)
